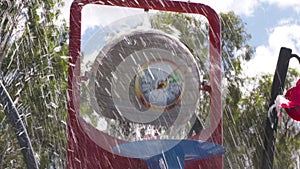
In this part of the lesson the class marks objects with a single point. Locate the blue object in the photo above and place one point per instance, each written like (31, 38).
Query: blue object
(171, 154)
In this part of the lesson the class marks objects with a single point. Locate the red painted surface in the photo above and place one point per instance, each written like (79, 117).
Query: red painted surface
(84, 149)
(293, 106)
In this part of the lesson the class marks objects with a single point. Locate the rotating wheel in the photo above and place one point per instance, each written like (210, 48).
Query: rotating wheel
(145, 77)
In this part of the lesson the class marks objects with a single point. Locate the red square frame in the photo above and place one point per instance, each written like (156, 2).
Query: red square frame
(82, 152)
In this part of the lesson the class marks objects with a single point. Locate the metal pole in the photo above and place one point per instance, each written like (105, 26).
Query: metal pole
(272, 122)
(19, 128)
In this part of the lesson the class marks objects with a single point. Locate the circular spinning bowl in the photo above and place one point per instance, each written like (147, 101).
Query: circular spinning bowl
(138, 80)
(145, 77)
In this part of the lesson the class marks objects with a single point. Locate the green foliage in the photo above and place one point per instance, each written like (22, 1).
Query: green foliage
(246, 99)
(287, 142)
(191, 31)
(244, 127)
(234, 44)
(8, 152)
(35, 75)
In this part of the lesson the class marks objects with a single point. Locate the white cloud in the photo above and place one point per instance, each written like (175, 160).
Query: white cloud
(93, 15)
(287, 35)
(66, 10)
(245, 7)
(294, 4)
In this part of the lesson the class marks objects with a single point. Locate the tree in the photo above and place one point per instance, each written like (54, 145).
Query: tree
(34, 69)
(247, 105)
(35, 74)
(245, 99)
(246, 127)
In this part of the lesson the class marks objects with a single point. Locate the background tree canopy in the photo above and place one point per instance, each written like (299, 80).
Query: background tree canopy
(33, 66)
(34, 71)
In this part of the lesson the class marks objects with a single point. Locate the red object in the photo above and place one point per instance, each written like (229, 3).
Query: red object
(85, 143)
(293, 106)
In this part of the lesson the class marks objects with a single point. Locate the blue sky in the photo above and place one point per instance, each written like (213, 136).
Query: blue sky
(271, 23)
(264, 18)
